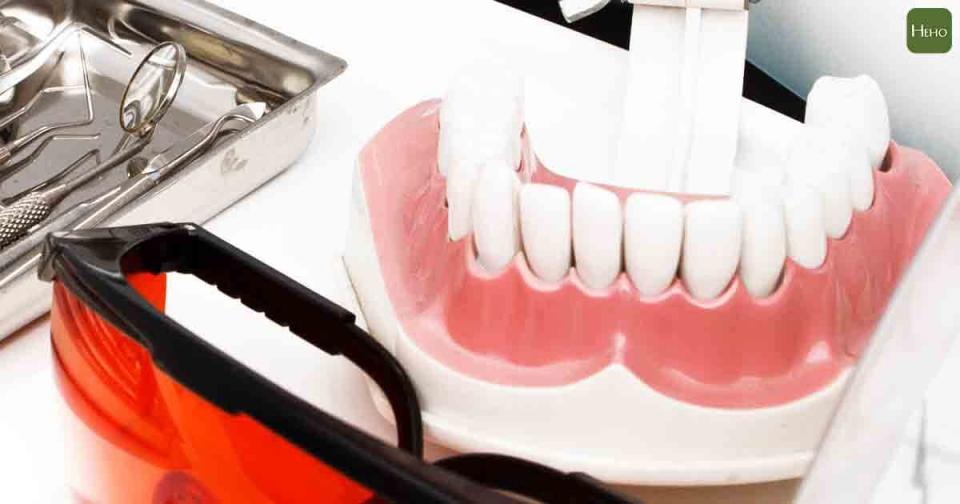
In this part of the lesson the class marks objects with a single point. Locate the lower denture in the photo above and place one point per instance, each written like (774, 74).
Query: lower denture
(735, 351)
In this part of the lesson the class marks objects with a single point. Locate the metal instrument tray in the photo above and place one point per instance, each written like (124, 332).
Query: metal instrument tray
(231, 61)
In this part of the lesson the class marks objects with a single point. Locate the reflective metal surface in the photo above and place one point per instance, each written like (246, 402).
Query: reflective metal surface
(152, 88)
(25, 140)
(231, 61)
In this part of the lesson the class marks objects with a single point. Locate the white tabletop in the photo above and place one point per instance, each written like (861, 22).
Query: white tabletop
(399, 52)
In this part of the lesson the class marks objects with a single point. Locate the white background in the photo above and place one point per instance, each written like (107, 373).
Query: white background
(800, 41)
(399, 52)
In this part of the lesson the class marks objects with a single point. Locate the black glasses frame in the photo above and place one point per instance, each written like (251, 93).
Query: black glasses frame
(93, 265)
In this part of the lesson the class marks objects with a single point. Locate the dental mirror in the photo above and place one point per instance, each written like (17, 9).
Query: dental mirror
(152, 88)
(148, 96)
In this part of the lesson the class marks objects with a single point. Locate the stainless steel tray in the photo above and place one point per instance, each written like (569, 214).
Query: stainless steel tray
(232, 60)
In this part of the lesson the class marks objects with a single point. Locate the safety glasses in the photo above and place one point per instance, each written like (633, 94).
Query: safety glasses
(161, 416)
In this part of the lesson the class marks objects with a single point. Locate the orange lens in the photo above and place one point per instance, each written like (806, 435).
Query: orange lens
(136, 435)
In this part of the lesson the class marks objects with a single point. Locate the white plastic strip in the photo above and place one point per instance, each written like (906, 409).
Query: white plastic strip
(650, 122)
(723, 48)
(766, 138)
(682, 106)
(700, 4)
(689, 84)
(575, 10)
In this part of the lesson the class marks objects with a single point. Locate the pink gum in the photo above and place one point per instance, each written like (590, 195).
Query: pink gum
(732, 352)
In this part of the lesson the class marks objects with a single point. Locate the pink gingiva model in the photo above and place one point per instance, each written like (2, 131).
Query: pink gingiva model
(693, 320)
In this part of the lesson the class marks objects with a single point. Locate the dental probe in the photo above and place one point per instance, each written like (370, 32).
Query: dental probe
(95, 153)
(143, 177)
(146, 99)
(192, 146)
(32, 209)
(14, 168)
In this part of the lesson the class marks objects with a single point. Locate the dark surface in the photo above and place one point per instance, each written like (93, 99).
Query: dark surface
(612, 25)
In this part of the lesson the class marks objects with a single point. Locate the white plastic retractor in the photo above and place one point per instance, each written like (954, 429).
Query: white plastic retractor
(575, 10)
(682, 103)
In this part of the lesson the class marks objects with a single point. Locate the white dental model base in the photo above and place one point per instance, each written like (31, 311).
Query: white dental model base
(608, 422)
(610, 425)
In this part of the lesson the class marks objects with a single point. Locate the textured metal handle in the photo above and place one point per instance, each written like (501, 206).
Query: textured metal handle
(17, 219)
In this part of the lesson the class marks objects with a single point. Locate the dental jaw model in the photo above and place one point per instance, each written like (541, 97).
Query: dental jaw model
(689, 322)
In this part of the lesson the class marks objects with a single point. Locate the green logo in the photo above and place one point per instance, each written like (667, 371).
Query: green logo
(929, 31)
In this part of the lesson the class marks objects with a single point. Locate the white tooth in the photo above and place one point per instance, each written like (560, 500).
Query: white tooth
(837, 205)
(482, 116)
(766, 137)
(806, 234)
(852, 107)
(495, 219)
(861, 176)
(460, 187)
(597, 235)
(653, 235)
(820, 162)
(482, 92)
(457, 145)
(861, 186)
(764, 246)
(751, 182)
(711, 247)
(545, 228)
(447, 152)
